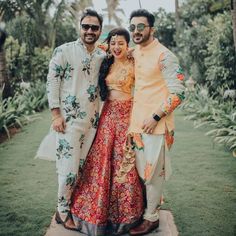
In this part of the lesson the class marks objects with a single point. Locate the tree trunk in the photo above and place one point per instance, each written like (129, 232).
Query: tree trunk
(4, 81)
(177, 17)
(233, 13)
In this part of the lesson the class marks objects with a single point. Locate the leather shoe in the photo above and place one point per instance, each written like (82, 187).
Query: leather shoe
(145, 227)
(64, 223)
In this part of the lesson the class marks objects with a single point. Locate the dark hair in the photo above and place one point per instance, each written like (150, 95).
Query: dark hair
(90, 12)
(3, 36)
(118, 31)
(108, 61)
(143, 13)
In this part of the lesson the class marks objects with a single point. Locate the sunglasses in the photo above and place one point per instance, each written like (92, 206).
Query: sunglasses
(140, 27)
(86, 27)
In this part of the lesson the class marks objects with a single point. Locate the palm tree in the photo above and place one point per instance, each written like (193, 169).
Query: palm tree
(177, 17)
(112, 10)
(76, 8)
(233, 13)
(60, 9)
(38, 13)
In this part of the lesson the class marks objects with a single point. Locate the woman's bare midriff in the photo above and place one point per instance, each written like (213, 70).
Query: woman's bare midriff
(119, 95)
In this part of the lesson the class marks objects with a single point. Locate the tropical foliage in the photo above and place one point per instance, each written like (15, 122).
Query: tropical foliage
(219, 116)
(165, 27)
(22, 107)
(205, 43)
(206, 50)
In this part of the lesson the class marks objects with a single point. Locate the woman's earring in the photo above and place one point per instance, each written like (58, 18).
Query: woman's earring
(109, 54)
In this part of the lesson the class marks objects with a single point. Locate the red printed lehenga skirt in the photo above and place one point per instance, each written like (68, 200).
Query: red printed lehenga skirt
(101, 205)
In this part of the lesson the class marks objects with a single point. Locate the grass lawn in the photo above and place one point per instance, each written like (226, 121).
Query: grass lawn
(201, 193)
(202, 190)
(28, 186)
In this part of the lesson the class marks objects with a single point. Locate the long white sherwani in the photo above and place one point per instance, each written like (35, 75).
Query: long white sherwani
(72, 86)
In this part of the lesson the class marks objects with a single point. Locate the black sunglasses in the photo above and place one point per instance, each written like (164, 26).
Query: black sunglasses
(140, 27)
(86, 27)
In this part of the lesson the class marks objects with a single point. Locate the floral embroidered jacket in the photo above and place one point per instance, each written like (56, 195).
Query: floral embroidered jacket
(72, 86)
(72, 83)
(158, 84)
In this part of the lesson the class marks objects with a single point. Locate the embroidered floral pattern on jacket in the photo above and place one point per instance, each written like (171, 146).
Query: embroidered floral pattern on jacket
(170, 104)
(59, 71)
(92, 91)
(94, 120)
(63, 202)
(86, 65)
(174, 76)
(72, 108)
(70, 179)
(68, 71)
(63, 151)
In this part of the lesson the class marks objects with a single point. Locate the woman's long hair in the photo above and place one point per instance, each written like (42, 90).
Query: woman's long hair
(109, 60)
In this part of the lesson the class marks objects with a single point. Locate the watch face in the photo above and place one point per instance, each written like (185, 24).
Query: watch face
(156, 117)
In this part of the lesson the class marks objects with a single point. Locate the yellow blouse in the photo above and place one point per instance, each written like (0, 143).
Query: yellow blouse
(121, 77)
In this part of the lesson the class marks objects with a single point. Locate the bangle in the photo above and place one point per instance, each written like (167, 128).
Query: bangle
(156, 117)
(56, 117)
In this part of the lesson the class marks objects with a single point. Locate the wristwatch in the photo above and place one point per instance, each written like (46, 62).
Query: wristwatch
(156, 117)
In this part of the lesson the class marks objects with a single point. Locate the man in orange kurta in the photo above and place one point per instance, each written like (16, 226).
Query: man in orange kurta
(158, 91)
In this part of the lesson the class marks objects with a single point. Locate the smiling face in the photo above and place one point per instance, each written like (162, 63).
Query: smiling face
(90, 30)
(141, 32)
(118, 46)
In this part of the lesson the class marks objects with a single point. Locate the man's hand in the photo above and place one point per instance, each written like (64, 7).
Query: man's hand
(149, 125)
(59, 124)
(130, 53)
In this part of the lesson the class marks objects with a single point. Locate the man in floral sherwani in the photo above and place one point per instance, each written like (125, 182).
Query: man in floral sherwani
(72, 86)
(158, 91)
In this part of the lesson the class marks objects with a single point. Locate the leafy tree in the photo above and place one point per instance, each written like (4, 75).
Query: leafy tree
(76, 8)
(221, 60)
(165, 27)
(66, 32)
(233, 13)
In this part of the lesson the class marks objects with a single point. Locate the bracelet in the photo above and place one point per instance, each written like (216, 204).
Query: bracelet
(56, 117)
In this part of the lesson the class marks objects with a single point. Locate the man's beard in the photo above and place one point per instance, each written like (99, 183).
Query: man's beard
(144, 38)
(90, 38)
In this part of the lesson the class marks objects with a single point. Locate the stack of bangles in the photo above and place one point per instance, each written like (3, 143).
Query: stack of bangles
(55, 117)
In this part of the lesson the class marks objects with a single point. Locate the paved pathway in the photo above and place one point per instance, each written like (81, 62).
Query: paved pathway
(167, 227)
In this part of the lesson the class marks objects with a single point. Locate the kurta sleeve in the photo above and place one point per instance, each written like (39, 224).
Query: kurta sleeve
(173, 75)
(54, 78)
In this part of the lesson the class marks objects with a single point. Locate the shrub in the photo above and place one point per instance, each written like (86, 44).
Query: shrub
(220, 61)
(21, 66)
(220, 116)
(40, 63)
(22, 107)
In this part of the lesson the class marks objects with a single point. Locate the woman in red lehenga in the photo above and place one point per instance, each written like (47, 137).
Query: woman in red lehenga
(101, 205)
